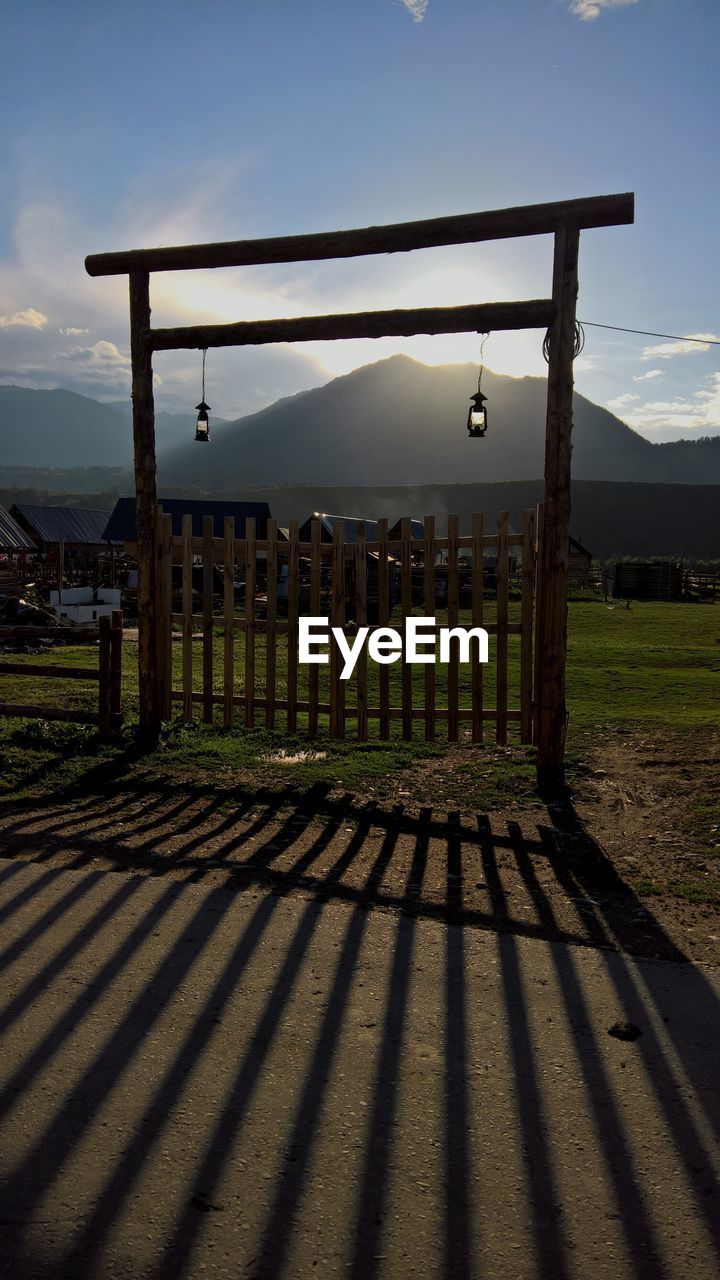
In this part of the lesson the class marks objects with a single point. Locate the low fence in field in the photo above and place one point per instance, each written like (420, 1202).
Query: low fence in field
(234, 604)
(108, 673)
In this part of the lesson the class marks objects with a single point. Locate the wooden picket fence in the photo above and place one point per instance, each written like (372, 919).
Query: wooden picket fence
(221, 595)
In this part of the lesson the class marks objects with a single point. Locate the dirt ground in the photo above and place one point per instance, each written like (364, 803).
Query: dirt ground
(628, 860)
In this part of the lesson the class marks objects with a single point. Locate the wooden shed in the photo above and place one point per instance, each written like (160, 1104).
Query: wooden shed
(71, 542)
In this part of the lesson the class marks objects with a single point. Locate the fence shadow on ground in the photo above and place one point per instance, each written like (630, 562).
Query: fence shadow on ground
(199, 1070)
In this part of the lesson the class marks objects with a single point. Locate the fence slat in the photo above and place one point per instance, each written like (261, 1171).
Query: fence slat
(502, 635)
(164, 527)
(315, 575)
(478, 586)
(228, 622)
(429, 598)
(383, 617)
(361, 619)
(105, 665)
(453, 682)
(292, 634)
(116, 644)
(526, 627)
(271, 624)
(208, 568)
(538, 592)
(406, 677)
(337, 619)
(187, 612)
(250, 584)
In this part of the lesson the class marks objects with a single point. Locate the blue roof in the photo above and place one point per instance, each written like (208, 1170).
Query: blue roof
(121, 525)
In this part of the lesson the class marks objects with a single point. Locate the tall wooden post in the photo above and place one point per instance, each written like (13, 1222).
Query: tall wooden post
(146, 500)
(551, 712)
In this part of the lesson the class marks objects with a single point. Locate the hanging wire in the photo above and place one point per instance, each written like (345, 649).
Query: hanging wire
(203, 375)
(649, 333)
(482, 348)
(578, 343)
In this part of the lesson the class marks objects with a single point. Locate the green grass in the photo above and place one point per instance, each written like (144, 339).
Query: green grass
(654, 665)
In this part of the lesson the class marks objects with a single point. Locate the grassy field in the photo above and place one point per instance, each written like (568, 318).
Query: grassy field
(653, 666)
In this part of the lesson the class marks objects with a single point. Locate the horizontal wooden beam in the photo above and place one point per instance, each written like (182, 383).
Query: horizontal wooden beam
(483, 318)
(29, 711)
(496, 224)
(50, 670)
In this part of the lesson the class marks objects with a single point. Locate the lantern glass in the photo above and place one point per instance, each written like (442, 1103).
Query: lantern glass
(202, 426)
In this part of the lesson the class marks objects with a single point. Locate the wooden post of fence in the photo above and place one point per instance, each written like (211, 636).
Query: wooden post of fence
(145, 499)
(361, 619)
(207, 647)
(383, 619)
(116, 643)
(250, 587)
(337, 619)
(315, 574)
(429, 598)
(105, 676)
(501, 618)
(187, 617)
(293, 630)
(229, 622)
(478, 590)
(526, 627)
(552, 607)
(538, 592)
(453, 689)
(163, 611)
(271, 623)
(406, 605)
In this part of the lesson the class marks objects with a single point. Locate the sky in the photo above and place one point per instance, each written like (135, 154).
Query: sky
(136, 123)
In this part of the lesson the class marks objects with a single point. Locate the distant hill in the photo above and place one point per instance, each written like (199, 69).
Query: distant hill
(402, 422)
(60, 429)
(393, 422)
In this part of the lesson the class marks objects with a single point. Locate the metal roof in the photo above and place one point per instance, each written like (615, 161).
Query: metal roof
(121, 525)
(12, 537)
(78, 525)
(349, 524)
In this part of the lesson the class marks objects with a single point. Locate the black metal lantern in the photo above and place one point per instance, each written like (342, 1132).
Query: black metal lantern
(202, 426)
(477, 422)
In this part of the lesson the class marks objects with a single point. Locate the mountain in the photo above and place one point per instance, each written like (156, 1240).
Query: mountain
(400, 422)
(171, 429)
(60, 429)
(394, 422)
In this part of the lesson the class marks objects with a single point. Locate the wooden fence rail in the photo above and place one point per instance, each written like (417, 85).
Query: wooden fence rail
(237, 601)
(108, 673)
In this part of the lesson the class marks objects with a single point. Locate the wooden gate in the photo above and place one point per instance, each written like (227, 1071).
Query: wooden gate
(228, 611)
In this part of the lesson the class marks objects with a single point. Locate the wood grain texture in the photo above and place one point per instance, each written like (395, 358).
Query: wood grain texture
(464, 228)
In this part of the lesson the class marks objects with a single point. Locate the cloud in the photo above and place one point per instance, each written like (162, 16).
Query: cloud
(417, 8)
(103, 362)
(666, 350)
(695, 415)
(75, 333)
(29, 319)
(645, 377)
(621, 402)
(589, 10)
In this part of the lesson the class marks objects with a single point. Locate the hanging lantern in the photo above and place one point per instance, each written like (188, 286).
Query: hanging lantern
(477, 423)
(202, 426)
